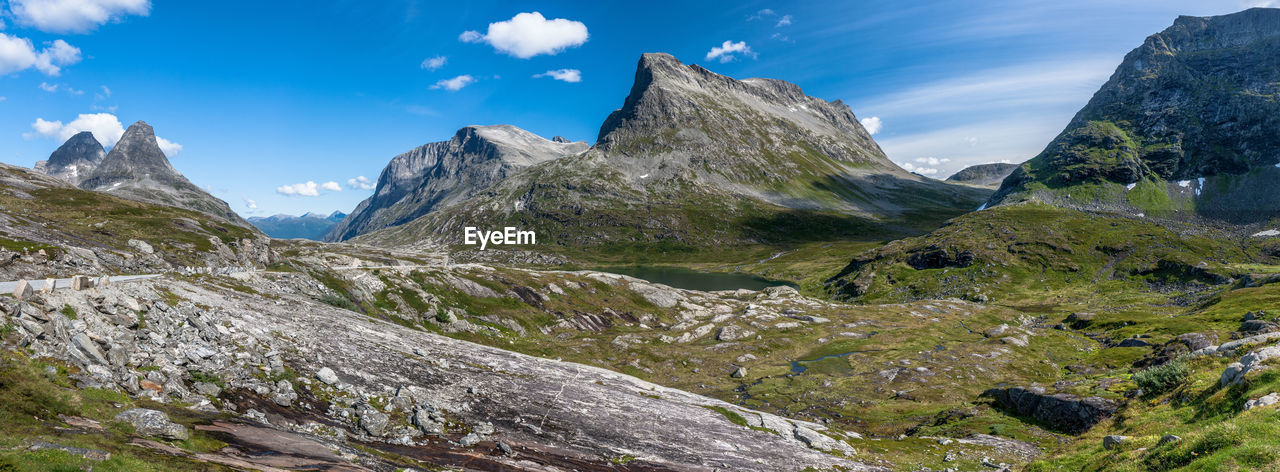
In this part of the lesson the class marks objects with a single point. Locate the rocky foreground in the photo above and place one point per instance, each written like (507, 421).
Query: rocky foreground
(331, 377)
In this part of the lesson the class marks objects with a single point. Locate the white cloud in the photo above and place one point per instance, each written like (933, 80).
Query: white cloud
(729, 51)
(761, 14)
(74, 16)
(932, 161)
(455, 84)
(361, 183)
(566, 75)
(306, 189)
(433, 63)
(250, 204)
(873, 124)
(48, 87)
(331, 186)
(18, 54)
(784, 21)
(106, 92)
(918, 169)
(106, 128)
(169, 148)
(530, 34)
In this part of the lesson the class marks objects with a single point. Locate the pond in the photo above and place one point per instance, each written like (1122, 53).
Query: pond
(689, 279)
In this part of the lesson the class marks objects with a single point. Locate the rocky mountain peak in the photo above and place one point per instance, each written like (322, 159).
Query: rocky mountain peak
(137, 169)
(436, 175)
(676, 107)
(75, 159)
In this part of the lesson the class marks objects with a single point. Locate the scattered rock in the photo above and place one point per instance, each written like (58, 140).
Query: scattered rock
(733, 333)
(739, 373)
(1020, 341)
(1169, 438)
(91, 454)
(1113, 441)
(153, 423)
(1133, 342)
(469, 440)
(1266, 400)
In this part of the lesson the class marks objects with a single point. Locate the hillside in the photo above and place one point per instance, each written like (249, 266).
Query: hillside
(1186, 127)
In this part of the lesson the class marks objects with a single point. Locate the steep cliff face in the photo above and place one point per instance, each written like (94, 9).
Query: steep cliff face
(1190, 120)
(439, 174)
(74, 159)
(697, 158)
(137, 169)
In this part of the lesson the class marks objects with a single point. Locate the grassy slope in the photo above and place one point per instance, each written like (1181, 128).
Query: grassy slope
(61, 216)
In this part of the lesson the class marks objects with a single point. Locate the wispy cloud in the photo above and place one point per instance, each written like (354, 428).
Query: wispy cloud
(433, 63)
(564, 75)
(360, 183)
(1006, 113)
(455, 84)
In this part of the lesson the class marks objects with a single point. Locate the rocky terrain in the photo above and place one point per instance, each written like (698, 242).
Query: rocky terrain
(985, 175)
(1185, 127)
(308, 226)
(694, 159)
(436, 175)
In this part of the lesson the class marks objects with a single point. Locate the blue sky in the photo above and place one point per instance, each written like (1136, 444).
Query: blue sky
(256, 99)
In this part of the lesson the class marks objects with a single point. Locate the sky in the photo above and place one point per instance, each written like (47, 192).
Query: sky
(296, 106)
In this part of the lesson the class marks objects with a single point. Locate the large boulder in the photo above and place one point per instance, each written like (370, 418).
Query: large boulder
(153, 423)
(1061, 411)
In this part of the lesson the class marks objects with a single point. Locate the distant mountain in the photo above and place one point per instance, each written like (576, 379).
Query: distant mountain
(694, 158)
(436, 175)
(311, 226)
(1188, 125)
(74, 159)
(986, 175)
(137, 169)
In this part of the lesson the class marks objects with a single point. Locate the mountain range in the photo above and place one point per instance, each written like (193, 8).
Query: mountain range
(311, 226)
(135, 169)
(691, 159)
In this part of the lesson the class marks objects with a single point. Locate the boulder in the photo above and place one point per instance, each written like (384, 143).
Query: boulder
(49, 286)
(372, 421)
(23, 290)
(1066, 412)
(1113, 441)
(739, 373)
(81, 282)
(1169, 438)
(1259, 327)
(327, 376)
(141, 246)
(153, 423)
(1266, 400)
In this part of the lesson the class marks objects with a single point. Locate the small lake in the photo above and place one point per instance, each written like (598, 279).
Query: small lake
(694, 280)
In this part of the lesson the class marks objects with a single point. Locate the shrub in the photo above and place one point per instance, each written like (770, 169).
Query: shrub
(339, 301)
(1163, 378)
